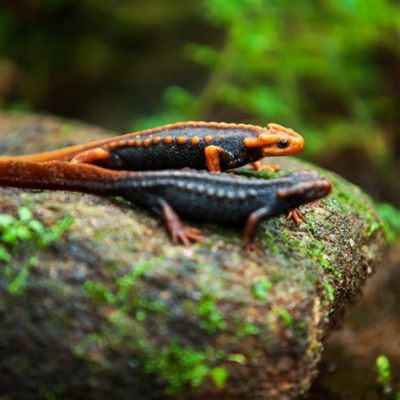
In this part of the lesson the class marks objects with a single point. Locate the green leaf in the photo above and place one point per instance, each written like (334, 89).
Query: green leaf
(24, 214)
(384, 375)
(36, 226)
(23, 233)
(219, 375)
(260, 289)
(6, 220)
(237, 358)
(285, 316)
(4, 254)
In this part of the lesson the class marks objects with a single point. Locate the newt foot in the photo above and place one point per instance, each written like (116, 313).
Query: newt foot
(297, 216)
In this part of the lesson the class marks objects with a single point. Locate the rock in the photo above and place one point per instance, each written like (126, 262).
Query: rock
(370, 328)
(107, 307)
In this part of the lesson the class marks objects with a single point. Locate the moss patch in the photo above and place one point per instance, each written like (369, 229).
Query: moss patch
(25, 236)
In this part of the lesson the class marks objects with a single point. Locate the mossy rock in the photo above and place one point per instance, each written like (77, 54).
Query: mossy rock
(110, 308)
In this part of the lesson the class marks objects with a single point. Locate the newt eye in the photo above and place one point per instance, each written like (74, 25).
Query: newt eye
(283, 143)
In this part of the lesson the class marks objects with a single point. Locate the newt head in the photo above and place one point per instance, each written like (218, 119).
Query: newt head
(307, 186)
(276, 140)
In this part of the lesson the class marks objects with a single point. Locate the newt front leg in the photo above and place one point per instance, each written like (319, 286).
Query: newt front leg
(178, 231)
(213, 158)
(297, 216)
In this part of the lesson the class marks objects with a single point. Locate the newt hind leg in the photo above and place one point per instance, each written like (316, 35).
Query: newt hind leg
(92, 156)
(250, 228)
(178, 231)
(270, 168)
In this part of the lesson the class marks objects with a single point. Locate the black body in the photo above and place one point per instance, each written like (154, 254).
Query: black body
(175, 155)
(224, 199)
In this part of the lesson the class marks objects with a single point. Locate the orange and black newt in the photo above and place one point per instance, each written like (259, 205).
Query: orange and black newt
(215, 146)
(197, 195)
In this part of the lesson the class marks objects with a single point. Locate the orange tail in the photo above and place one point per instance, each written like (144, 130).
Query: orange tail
(64, 154)
(58, 175)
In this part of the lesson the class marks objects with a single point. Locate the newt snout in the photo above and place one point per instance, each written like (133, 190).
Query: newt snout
(277, 140)
(287, 141)
(306, 189)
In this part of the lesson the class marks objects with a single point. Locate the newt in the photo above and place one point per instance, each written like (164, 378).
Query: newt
(226, 199)
(215, 146)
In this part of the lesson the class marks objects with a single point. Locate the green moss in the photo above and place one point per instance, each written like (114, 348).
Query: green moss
(285, 316)
(346, 199)
(270, 242)
(260, 289)
(24, 236)
(350, 199)
(244, 328)
(98, 292)
(259, 174)
(211, 319)
(175, 365)
(301, 327)
(124, 294)
(329, 290)
(318, 251)
(17, 279)
(311, 223)
(126, 284)
(178, 366)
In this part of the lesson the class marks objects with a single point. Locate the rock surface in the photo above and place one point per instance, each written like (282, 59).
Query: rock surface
(370, 329)
(111, 308)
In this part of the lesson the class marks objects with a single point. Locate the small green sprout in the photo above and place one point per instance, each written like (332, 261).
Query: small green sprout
(285, 316)
(260, 289)
(21, 235)
(329, 290)
(219, 375)
(384, 375)
(212, 319)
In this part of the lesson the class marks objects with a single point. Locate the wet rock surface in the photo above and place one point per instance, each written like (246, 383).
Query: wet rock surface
(111, 308)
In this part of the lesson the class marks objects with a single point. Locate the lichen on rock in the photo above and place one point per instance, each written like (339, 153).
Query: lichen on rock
(111, 308)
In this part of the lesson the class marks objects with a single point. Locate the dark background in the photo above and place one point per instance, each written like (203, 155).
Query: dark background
(328, 69)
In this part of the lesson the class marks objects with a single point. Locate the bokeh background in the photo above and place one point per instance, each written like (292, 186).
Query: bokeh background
(330, 69)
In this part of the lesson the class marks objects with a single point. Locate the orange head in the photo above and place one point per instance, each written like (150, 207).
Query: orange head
(276, 141)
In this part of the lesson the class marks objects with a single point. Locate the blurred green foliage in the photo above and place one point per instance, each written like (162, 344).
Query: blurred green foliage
(314, 66)
(328, 69)
(391, 217)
